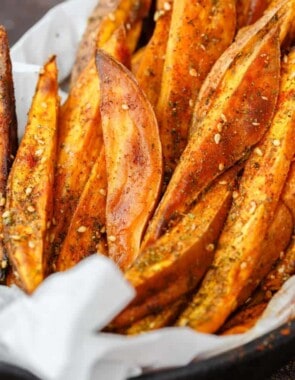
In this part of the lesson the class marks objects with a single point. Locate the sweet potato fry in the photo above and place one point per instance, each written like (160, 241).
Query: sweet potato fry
(80, 141)
(136, 60)
(87, 46)
(106, 19)
(133, 159)
(240, 113)
(177, 261)
(28, 207)
(86, 234)
(199, 33)
(288, 195)
(239, 247)
(8, 130)
(149, 73)
(163, 318)
(276, 241)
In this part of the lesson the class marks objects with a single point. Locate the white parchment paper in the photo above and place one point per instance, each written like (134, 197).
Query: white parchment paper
(54, 333)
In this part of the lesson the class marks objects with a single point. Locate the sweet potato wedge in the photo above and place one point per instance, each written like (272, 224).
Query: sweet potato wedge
(133, 159)
(28, 207)
(149, 73)
(163, 318)
(177, 261)
(87, 46)
(136, 60)
(107, 17)
(288, 195)
(276, 241)
(86, 234)
(239, 247)
(80, 141)
(199, 33)
(8, 130)
(240, 113)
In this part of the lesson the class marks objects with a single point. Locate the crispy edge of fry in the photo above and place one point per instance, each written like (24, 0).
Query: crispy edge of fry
(242, 112)
(30, 185)
(133, 158)
(8, 129)
(249, 11)
(179, 259)
(239, 247)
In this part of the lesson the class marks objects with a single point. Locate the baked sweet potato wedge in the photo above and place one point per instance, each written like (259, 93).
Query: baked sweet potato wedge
(149, 72)
(240, 113)
(136, 60)
(80, 141)
(28, 207)
(106, 19)
(133, 159)
(8, 130)
(239, 247)
(87, 46)
(86, 233)
(176, 262)
(199, 33)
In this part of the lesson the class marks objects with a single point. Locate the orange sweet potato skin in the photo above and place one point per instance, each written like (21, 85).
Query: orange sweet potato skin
(240, 112)
(133, 159)
(28, 207)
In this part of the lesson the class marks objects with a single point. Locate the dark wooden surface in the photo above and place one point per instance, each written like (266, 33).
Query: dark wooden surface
(17, 16)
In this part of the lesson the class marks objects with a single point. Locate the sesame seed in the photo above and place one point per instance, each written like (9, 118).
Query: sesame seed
(103, 230)
(54, 221)
(128, 26)
(252, 207)
(48, 224)
(281, 269)
(167, 6)
(210, 247)
(31, 244)
(223, 118)
(235, 194)
(191, 103)
(125, 107)
(2, 201)
(285, 59)
(158, 14)
(81, 229)
(243, 265)
(112, 238)
(193, 72)
(219, 127)
(4, 264)
(221, 166)
(102, 192)
(276, 142)
(39, 152)
(15, 237)
(258, 151)
(44, 105)
(217, 138)
(202, 47)
(282, 254)
(264, 97)
(6, 214)
(222, 182)
(51, 238)
(255, 123)
(31, 209)
(28, 190)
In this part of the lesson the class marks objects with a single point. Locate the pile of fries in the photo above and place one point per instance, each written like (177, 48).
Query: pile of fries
(174, 159)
